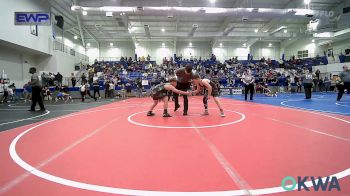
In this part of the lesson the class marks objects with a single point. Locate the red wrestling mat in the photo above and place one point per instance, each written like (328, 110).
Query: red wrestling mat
(117, 149)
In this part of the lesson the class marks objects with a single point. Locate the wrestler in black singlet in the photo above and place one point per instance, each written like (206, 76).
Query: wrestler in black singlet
(214, 93)
(159, 92)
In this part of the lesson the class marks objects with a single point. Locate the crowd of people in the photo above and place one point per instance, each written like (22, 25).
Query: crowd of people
(121, 78)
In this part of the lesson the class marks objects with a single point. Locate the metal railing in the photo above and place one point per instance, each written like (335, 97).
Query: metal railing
(66, 49)
(336, 53)
(118, 58)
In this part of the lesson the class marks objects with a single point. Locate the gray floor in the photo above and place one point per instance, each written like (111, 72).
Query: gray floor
(14, 115)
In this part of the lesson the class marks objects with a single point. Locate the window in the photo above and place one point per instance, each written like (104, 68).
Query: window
(303, 54)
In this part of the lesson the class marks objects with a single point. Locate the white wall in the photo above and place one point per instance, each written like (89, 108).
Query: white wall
(58, 62)
(262, 49)
(198, 49)
(118, 49)
(13, 64)
(156, 50)
(16, 64)
(334, 68)
(229, 51)
(339, 46)
(303, 44)
(21, 35)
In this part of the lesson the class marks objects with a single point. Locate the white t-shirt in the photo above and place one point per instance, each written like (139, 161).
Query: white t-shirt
(111, 86)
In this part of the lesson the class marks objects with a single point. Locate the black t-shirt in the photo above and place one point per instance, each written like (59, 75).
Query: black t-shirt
(182, 77)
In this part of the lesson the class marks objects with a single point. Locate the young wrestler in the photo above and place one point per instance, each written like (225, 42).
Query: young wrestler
(160, 93)
(210, 90)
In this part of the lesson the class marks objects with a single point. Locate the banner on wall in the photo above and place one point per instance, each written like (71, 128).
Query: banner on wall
(144, 82)
(231, 91)
(32, 18)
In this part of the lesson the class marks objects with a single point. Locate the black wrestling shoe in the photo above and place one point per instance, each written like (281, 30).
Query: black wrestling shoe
(150, 113)
(185, 113)
(165, 115)
(176, 108)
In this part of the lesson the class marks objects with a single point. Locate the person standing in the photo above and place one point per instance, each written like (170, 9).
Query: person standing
(139, 87)
(327, 84)
(184, 77)
(59, 78)
(36, 90)
(82, 91)
(345, 82)
(74, 80)
(159, 93)
(307, 82)
(96, 87)
(248, 80)
(107, 89)
(299, 83)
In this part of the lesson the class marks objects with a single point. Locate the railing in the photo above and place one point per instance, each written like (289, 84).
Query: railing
(336, 53)
(66, 49)
(118, 58)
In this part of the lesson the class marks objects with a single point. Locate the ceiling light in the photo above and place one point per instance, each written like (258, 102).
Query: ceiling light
(214, 10)
(84, 13)
(265, 31)
(88, 44)
(245, 45)
(313, 41)
(212, 1)
(307, 1)
(220, 44)
(301, 12)
(270, 44)
(74, 7)
(109, 14)
(117, 9)
(324, 34)
(163, 44)
(190, 43)
(256, 30)
(111, 44)
(163, 29)
(285, 31)
(75, 37)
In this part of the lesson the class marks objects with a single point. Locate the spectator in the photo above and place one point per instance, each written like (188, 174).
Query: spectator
(139, 87)
(74, 80)
(59, 78)
(107, 89)
(96, 88)
(344, 82)
(111, 89)
(83, 91)
(36, 90)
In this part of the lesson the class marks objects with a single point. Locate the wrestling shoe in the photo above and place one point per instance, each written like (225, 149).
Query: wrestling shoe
(165, 115)
(205, 113)
(150, 113)
(222, 114)
(185, 113)
(176, 108)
